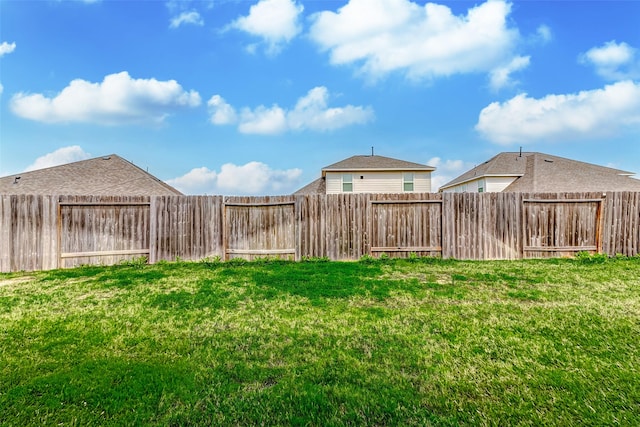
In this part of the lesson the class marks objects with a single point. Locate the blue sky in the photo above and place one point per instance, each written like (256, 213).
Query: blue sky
(255, 97)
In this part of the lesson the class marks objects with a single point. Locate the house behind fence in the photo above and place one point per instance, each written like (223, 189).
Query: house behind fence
(42, 232)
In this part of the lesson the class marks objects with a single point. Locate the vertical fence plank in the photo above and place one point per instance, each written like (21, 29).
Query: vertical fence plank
(6, 247)
(50, 242)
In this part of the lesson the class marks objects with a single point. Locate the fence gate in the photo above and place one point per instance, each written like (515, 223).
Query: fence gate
(258, 229)
(561, 227)
(102, 232)
(400, 227)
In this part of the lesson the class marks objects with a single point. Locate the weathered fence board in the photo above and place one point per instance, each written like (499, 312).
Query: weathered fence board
(259, 227)
(6, 243)
(401, 225)
(463, 226)
(102, 230)
(501, 226)
(46, 232)
(345, 225)
(311, 226)
(561, 226)
(621, 229)
(27, 231)
(185, 227)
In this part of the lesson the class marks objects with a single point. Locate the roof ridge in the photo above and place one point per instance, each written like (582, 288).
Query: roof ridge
(96, 175)
(375, 162)
(63, 164)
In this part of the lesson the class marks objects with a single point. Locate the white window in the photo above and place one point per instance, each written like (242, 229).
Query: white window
(407, 181)
(481, 186)
(347, 183)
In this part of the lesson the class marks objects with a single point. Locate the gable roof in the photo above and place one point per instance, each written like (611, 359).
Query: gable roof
(319, 186)
(375, 163)
(546, 174)
(108, 175)
(540, 172)
(503, 164)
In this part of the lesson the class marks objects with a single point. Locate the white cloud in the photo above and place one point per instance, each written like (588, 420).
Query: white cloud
(1, 88)
(446, 170)
(119, 99)
(61, 156)
(311, 112)
(253, 178)
(544, 34)
(175, 6)
(275, 21)
(613, 61)
(587, 114)
(263, 120)
(256, 177)
(196, 181)
(191, 17)
(221, 112)
(423, 42)
(6, 48)
(501, 77)
(611, 54)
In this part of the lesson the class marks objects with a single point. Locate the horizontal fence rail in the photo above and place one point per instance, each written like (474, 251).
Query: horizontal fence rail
(48, 232)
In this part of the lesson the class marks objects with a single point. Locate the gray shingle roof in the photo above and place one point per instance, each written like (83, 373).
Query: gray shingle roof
(546, 174)
(108, 175)
(503, 164)
(540, 172)
(314, 187)
(360, 163)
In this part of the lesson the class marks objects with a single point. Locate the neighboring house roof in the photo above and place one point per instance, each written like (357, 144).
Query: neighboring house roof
(375, 163)
(108, 175)
(319, 186)
(503, 164)
(540, 172)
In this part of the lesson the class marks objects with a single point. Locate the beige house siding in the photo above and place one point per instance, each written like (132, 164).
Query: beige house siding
(491, 184)
(378, 182)
(422, 183)
(465, 187)
(497, 184)
(333, 183)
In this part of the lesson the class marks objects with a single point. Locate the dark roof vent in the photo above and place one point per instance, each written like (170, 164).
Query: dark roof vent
(106, 158)
(16, 179)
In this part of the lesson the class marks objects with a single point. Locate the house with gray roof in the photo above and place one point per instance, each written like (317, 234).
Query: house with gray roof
(371, 174)
(102, 176)
(540, 173)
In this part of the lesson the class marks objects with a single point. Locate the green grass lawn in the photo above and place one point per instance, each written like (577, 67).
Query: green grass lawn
(404, 342)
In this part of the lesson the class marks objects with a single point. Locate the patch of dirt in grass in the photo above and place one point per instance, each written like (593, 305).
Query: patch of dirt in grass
(16, 280)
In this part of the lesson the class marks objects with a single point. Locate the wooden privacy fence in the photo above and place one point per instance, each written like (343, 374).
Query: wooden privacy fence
(101, 231)
(47, 232)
